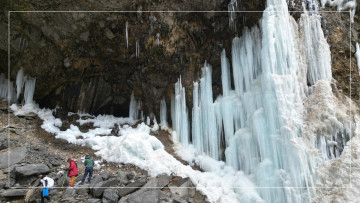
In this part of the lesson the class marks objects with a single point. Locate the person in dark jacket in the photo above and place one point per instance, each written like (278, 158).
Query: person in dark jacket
(89, 168)
(47, 183)
(72, 171)
(115, 130)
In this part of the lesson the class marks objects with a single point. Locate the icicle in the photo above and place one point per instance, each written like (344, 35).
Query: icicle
(225, 74)
(133, 110)
(156, 126)
(19, 82)
(163, 115)
(137, 47)
(148, 121)
(127, 34)
(232, 14)
(29, 90)
(357, 56)
(157, 38)
(196, 120)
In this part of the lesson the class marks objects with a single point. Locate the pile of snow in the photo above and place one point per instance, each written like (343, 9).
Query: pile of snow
(220, 183)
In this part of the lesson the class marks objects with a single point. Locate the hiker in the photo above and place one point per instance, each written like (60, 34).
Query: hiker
(89, 168)
(115, 130)
(47, 183)
(72, 171)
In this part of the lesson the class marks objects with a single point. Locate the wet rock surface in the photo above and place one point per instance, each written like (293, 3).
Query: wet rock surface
(81, 61)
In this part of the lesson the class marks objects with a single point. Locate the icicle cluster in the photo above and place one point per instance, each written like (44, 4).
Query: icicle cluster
(232, 14)
(7, 90)
(259, 125)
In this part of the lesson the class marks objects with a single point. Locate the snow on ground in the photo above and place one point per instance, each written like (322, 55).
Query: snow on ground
(220, 183)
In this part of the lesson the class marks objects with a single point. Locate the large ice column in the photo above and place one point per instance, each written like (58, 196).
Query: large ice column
(196, 120)
(19, 82)
(163, 115)
(29, 90)
(282, 164)
(179, 114)
(133, 110)
(318, 56)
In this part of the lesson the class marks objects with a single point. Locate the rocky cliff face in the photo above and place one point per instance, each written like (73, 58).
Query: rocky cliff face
(82, 60)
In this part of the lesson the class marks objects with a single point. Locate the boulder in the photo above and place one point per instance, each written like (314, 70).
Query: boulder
(158, 182)
(95, 180)
(130, 175)
(82, 191)
(69, 192)
(31, 169)
(182, 188)
(93, 201)
(12, 157)
(124, 180)
(149, 196)
(100, 187)
(3, 142)
(110, 196)
(162, 180)
(10, 169)
(105, 175)
(132, 187)
(14, 193)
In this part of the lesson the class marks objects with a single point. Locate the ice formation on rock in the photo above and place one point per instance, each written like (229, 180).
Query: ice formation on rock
(342, 5)
(265, 126)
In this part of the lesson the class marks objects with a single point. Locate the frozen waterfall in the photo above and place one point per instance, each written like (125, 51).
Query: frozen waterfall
(259, 126)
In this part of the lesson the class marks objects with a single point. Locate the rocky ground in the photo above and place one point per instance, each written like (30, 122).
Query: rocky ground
(34, 151)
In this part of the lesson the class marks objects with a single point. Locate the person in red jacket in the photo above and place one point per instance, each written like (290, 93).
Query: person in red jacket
(72, 171)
